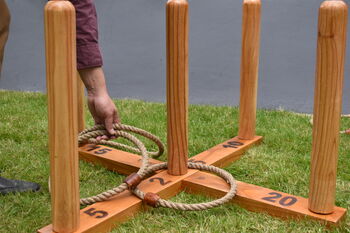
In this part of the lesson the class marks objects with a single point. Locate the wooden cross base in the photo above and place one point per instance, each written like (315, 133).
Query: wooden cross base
(103, 216)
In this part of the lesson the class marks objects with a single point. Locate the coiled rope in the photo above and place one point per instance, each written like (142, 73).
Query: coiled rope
(89, 135)
(200, 206)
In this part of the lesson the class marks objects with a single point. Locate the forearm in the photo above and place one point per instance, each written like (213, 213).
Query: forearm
(94, 81)
(100, 104)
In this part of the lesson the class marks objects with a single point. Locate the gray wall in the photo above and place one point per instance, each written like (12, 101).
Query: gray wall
(132, 35)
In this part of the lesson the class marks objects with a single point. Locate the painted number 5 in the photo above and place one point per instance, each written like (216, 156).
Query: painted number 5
(96, 213)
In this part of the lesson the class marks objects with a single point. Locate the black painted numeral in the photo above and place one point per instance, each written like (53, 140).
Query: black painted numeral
(288, 201)
(284, 201)
(92, 147)
(102, 151)
(196, 161)
(233, 144)
(273, 198)
(96, 213)
(161, 180)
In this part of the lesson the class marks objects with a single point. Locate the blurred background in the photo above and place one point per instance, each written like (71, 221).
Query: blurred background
(132, 38)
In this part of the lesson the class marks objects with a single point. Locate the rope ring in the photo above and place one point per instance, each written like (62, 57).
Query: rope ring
(156, 201)
(89, 135)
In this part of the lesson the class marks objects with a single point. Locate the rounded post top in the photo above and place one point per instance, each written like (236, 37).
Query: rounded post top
(177, 2)
(333, 5)
(251, 2)
(59, 5)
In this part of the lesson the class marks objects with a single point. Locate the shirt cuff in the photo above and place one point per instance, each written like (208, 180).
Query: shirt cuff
(88, 56)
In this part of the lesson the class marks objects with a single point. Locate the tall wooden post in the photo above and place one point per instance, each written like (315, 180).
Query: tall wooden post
(327, 107)
(60, 37)
(177, 85)
(249, 68)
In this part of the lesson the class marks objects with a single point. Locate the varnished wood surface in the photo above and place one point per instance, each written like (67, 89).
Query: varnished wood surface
(249, 68)
(125, 205)
(256, 198)
(177, 85)
(116, 160)
(252, 197)
(327, 107)
(62, 110)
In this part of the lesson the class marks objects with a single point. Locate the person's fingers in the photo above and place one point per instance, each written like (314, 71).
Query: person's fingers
(92, 109)
(109, 125)
(116, 119)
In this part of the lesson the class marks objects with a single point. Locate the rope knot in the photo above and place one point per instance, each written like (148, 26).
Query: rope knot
(133, 180)
(151, 199)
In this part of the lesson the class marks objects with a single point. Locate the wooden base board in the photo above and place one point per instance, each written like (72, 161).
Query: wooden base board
(260, 199)
(102, 217)
(126, 163)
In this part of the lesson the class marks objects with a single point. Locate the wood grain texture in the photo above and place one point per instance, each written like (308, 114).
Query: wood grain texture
(126, 163)
(101, 217)
(249, 68)
(260, 199)
(60, 37)
(177, 85)
(81, 103)
(116, 160)
(327, 107)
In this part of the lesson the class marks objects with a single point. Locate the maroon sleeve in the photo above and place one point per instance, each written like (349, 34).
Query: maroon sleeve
(88, 50)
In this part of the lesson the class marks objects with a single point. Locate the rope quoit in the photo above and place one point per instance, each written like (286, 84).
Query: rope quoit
(155, 201)
(89, 135)
(132, 181)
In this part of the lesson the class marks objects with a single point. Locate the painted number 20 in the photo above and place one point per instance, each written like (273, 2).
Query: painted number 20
(283, 201)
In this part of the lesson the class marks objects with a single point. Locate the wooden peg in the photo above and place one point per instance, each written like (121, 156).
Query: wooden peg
(249, 68)
(177, 85)
(61, 75)
(327, 107)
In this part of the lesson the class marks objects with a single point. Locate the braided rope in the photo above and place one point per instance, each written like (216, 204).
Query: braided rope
(199, 206)
(89, 135)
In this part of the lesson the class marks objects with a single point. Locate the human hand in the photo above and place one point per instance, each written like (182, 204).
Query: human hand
(104, 112)
(101, 106)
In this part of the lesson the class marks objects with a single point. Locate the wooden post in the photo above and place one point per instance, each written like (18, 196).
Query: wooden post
(60, 37)
(81, 101)
(177, 85)
(249, 68)
(327, 107)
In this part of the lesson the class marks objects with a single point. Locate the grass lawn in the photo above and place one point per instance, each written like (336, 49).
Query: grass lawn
(281, 162)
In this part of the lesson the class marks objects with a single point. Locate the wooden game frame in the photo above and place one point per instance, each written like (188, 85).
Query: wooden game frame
(103, 216)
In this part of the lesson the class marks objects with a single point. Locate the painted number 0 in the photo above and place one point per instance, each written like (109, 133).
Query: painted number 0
(99, 213)
(285, 201)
